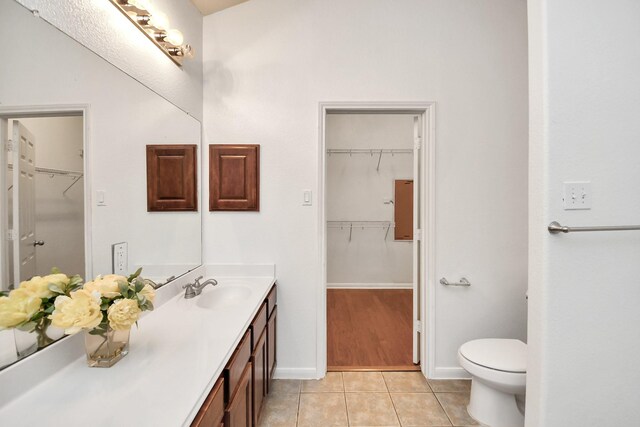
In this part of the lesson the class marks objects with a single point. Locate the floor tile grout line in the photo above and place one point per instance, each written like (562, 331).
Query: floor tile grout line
(443, 409)
(395, 410)
(298, 407)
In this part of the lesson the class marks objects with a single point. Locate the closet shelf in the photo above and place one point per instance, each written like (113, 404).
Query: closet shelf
(57, 172)
(350, 225)
(360, 224)
(370, 151)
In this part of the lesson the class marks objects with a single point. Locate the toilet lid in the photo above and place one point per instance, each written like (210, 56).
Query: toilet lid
(500, 354)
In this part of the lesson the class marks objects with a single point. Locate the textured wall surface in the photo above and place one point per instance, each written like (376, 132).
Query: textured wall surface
(98, 25)
(268, 64)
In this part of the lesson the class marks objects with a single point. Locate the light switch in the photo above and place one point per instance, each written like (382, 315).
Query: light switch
(306, 198)
(577, 195)
(101, 198)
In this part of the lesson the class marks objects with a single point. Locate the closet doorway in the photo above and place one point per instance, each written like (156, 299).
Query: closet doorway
(43, 214)
(373, 202)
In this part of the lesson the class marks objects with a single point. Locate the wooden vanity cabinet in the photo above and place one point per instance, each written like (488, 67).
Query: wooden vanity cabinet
(272, 309)
(234, 370)
(271, 346)
(238, 396)
(259, 375)
(239, 412)
(259, 360)
(211, 414)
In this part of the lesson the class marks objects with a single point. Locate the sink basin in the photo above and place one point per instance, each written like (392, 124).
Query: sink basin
(223, 296)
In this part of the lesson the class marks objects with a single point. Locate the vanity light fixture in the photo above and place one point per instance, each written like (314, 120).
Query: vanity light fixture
(155, 25)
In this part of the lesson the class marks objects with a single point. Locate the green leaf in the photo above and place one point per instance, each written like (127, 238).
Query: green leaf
(55, 288)
(139, 284)
(104, 307)
(50, 309)
(136, 274)
(55, 270)
(124, 288)
(149, 305)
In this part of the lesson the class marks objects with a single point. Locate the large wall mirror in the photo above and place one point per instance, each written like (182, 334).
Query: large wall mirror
(74, 179)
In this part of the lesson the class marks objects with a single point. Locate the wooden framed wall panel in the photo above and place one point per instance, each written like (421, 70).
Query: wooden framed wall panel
(172, 178)
(234, 177)
(403, 209)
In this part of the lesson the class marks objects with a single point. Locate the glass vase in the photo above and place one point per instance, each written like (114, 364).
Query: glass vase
(105, 347)
(46, 333)
(26, 342)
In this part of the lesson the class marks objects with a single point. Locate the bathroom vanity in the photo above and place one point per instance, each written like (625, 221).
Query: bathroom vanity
(238, 394)
(192, 362)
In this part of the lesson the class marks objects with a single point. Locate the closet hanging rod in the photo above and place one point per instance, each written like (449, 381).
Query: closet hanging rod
(369, 151)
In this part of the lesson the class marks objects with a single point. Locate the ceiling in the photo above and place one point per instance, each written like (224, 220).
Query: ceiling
(207, 7)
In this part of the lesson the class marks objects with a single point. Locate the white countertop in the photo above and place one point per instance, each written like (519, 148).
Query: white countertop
(175, 357)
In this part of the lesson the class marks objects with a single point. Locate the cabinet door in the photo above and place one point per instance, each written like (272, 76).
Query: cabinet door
(235, 368)
(239, 410)
(172, 178)
(234, 177)
(211, 413)
(259, 377)
(271, 345)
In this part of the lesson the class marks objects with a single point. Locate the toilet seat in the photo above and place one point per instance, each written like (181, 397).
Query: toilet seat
(505, 355)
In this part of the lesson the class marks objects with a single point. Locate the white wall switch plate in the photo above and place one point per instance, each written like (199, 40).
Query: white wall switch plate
(120, 257)
(306, 198)
(577, 195)
(101, 198)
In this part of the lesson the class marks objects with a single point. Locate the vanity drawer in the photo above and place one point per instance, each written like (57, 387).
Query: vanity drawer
(234, 369)
(272, 299)
(212, 411)
(258, 325)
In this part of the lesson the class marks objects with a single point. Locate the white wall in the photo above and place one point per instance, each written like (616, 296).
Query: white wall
(59, 218)
(99, 26)
(268, 64)
(584, 334)
(356, 192)
(46, 67)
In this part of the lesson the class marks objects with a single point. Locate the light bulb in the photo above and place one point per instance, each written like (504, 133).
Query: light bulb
(160, 20)
(174, 37)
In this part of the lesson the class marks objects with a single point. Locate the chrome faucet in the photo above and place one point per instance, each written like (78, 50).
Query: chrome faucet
(195, 289)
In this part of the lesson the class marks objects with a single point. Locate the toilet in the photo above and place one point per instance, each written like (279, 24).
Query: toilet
(499, 371)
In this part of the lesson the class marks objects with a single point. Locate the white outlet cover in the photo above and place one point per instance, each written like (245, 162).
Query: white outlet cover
(120, 256)
(577, 195)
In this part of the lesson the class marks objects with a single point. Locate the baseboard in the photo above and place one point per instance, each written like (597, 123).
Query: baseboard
(450, 373)
(369, 285)
(295, 373)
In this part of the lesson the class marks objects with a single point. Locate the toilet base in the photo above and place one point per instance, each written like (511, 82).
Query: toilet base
(493, 408)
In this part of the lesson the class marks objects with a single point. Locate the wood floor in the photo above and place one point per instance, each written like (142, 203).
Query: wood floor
(369, 329)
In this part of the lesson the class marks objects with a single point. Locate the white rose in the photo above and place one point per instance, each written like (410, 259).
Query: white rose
(78, 312)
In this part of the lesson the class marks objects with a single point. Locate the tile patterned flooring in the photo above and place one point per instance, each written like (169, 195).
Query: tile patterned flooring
(368, 399)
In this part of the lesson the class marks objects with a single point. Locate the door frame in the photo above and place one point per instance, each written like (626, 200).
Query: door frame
(427, 218)
(34, 111)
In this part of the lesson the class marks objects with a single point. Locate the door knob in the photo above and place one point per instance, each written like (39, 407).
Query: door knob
(38, 243)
